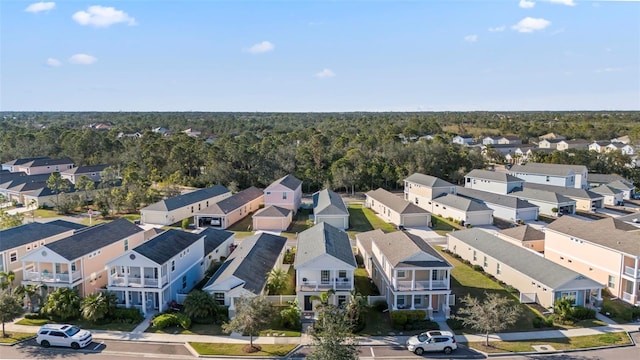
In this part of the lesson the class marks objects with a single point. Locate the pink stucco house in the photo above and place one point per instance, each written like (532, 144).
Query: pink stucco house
(285, 192)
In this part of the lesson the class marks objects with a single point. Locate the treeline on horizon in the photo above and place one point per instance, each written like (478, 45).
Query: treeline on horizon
(343, 151)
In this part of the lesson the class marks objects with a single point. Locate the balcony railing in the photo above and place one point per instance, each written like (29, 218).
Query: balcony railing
(119, 280)
(51, 277)
(322, 286)
(628, 270)
(627, 297)
(420, 285)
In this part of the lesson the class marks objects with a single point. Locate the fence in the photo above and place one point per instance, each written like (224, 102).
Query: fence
(280, 300)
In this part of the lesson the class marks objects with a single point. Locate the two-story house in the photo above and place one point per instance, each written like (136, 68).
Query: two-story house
(330, 208)
(492, 181)
(78, 261)
(92, 172)
(606, 250)
(152, 274)
(510, 139)
(324, 261)
(504, 207)
(552, 174)
(467, 211)
(463, 140)
(578, 144)
(38, 165)
(175, 209)
(229, 211)
(285, 192)
(421, 188)
(549, 202)
(408, 271)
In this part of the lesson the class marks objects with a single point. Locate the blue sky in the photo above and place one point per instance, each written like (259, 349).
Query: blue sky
(319, 55)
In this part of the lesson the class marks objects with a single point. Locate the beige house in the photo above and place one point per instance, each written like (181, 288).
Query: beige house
(420, 188)
(585, 200)
(92, 172)
(393, 209)
(464, 210)
(272, 218)
(230, 210)
(538, 279)
(606, 250)
(38, 165)
(175, 209)
(78, 261)
(525, 236)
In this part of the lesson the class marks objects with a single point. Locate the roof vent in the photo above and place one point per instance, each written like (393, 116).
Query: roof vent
(619, 242)
(635, 220)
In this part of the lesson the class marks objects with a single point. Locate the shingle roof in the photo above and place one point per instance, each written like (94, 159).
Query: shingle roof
(67, 224)
(404, 250)
(523, 233)
(251, 261)
(497, 199)
(606, 233)
(606, 178)
(327, 202)
(524, 261)
(621, 185)
(28, 233)
(49, 162)
(461, 203)
(233, 202)
(167, 245)
(564, 191)
(324, 239)
(548, 169)
(25, 160)
(394, 202)
(187, 199)
(428, 180)
(541, 195)
(214, 238)
(85, 169)
(605, 190)
(93, 238)
(493, 175)
(272, 211)
(289, 181)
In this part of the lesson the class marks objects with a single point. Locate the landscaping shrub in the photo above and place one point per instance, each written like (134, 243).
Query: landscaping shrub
(511, 289)
(359, 260)
(478, 268)
(34, 316)
(582, 313)
(171, 319)
(455, 324)
(415, 315)
(289, 257)
(398, 319)
(380, 305)
(124, 315)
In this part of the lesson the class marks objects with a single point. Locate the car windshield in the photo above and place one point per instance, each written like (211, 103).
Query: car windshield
(72, 331)
(422, 337)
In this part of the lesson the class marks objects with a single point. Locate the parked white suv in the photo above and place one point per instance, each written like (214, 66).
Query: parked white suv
(63, 335)
(432, 341)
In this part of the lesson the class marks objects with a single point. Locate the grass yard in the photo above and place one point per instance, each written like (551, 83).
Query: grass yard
(33, 322)
(268, 350)
(243, 228)
(579, 342)
(280, 333)
(300, 222)
(14, 337)
(42, 213)
(615, 307)
(362, 283)
(362, 219)
(196, 329)
(442, 226)
(115, 326)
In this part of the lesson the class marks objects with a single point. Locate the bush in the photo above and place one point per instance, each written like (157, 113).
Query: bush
(511, 289)
(34, 316)
(124, 315)
(455, 324)
(289, 256)
(582, 313)
(414, 316)
(478, 268)
(380, 305)
(398, 319)
(171, 319)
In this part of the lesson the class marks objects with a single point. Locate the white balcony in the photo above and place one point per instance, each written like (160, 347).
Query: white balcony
(634, 273)
(137, 282)
(51, 277)
(338, 284)
(419, 285)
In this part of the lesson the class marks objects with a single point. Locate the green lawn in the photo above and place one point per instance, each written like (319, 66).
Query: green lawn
(378, 324)
(42, 213)
(33, 322)
(237, 349)
(300, 222)
(243, 228)
(196, 329)
(14, 337)
(615, 307)
(362, 219)
(442, 226)
(280, 332)
(362, 283)
(578, 342)
(115, 326)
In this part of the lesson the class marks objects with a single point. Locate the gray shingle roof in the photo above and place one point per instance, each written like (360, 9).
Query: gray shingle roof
(523, 233)
(25, 160)
(564, 191)
(605, 190)
(85, 169)
(251, 261)
(606, 178)
(327, 202)
(404, 250)
(394, 202)
(541, 195)
(272, 211)
(492, 175)
(324, 239)
(428, 180)
(610, 233)
(67, 224)
(93, 238)
(49, 162)
(28, 233)
(526, 262)
(548, 169)
(233, 202)
(289, 181)
(621, 185)
(497, 199)
(461, 203)
(214, 238)
(187, 199)
(167, 245)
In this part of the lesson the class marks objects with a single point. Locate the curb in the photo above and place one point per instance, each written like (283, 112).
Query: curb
(18, 342)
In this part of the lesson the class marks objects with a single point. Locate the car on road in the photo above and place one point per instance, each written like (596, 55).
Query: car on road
(430, 341)
(63, 335)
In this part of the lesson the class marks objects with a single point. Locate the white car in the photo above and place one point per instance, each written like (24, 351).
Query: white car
(432, 341)
(63, 335)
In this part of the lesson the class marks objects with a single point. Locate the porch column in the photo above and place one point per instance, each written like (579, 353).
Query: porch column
(447, 275)
(430, 283)
(126, 298)
(144, 303)
(39, 272)
(413, 282)
(635, 288)
(125, 270)
(160, 281)
(395, 301)
(635, 270)
(412, 303)
(141, 276)
(429, 308)
(599, 298)
(53, 271)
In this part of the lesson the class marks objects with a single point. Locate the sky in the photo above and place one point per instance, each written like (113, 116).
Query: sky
(319, 56)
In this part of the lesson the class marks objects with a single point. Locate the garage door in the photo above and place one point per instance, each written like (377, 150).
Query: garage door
(336, 222)
(415, 221)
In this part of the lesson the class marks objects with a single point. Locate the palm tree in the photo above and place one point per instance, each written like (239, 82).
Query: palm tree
(200, 305)
(6, 280)
(32, 294)
(97, 306)
(277, 280)
(323, 298)
(63, 303)
(358, 304)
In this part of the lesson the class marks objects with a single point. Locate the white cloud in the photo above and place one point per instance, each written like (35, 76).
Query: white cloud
(471, 38)
(562, 2)
(608, 69)
(529, 24)
(497, 28)
(261, 48)
(526, 4)
(325, 74)
(40, 6)
(53, 62)
(82, 59)
(102, 16)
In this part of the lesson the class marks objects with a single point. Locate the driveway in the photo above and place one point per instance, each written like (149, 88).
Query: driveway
(427, 234)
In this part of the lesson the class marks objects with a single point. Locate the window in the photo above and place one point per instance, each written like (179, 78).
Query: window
(400, 302)
(324, 276)
(28, 247)
(571, 295)
(199, 207)
(498, 270)
(417, 300)
(184, 281)
(342, 273)
(173, 265)
(612, 282)
(219, 298)
(284, 196)
(401, 274)
(485, 262)
(13, 257)
(342, 299)
(73, 267)
(416, 201)
(268, 192)
(547, 178)
(475, 256)
(434, 274)
(375, 273)
(192, 209)
(126, 244)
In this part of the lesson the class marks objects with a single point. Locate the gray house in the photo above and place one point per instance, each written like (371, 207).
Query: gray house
(462, 209)
(547, 201)
(552, 174)
(330, 208)
(504, 207)
(585, 200)
(491, 181)
(172, 210)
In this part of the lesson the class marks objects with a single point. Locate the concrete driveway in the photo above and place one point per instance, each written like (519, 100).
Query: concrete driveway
(427, 234)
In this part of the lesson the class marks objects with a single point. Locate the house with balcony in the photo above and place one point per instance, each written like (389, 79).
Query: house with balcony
(330, 208)
(230, 210)
(504, 207)
(585, 200)
(606, 250)
(244, 273)
(492, 181)
(285, 192)
(324, 261)
(218, 244)
(92, 172)
(172, 210)
(152, 274)
(17, 241)
(78, 261)
(539, 280)
(552, 174)
(393, 209)
(421, 188)
(409, 272)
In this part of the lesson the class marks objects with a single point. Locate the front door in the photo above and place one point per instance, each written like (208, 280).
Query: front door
(308, 306)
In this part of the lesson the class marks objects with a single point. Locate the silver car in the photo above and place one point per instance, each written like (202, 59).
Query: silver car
(429, 341)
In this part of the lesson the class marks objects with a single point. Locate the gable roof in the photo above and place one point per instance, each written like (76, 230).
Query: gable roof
(28, 233)
(324, 239)
(234, 201)
(167, 245)
(493, 175)
(548, 169)
(524, 261)
(67, 224)
(492, 198)
(394, 202)
(187, 199)
(565, 191)
(404, 250)
(214, 238)
(605, 189)
(523, 233)
(251, 261)
(605, 178)
(22, 161)
(85, 169)
(621, 185)
(327, 202)
(48, 162)
(428, 180)
(541, 195)
(611, 233)
(289, 181)
(461, 203)
(94, 238)
(272, 211)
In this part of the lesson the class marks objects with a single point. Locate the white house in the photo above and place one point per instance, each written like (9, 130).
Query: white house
(462, 209)
(491, 140)
(585, 200)
(611, 196)
(393, 209)
(175, 209)
(217, 245)
(547, 201)
(420, 188)
(492, 181)
(92, 172)
(552, 174)
(463, 140)
(504, 207)
(330, 208)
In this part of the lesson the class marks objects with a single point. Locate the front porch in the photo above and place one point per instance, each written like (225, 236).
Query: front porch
(145, 301)
(436, 306)
(64, 273)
